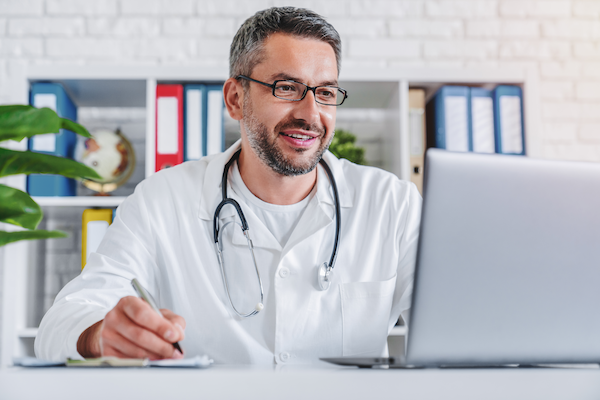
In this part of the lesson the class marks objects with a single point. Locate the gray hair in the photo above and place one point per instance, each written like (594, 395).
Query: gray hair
(247, 45)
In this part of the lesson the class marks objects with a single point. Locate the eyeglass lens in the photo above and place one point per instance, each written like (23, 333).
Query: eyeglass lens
(290, 90)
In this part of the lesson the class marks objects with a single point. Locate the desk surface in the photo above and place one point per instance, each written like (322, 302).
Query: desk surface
(299, 383)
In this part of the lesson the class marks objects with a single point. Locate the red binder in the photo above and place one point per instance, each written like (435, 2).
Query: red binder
(169, 126)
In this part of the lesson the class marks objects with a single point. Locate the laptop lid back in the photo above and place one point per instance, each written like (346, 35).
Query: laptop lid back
(508, 266)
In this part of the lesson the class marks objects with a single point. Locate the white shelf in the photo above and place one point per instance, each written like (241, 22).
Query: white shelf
(379, 92)
(79, 201)
(28, 333)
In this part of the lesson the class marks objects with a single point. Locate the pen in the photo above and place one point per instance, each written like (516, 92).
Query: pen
(139, 289)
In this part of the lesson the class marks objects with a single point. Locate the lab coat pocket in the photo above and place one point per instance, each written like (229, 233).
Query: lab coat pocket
(366, 310)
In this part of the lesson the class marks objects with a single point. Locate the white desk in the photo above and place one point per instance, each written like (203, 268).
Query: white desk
(299, 383)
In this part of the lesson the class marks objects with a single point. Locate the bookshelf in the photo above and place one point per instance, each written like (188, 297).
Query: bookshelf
(376, 111)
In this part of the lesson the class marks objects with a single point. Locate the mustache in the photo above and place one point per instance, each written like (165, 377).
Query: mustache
(300, 124)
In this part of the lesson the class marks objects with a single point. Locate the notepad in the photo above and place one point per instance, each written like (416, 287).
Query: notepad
(195, 362)
(114, 362)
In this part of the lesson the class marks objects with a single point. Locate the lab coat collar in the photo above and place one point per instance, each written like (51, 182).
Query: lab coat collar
(261, 237)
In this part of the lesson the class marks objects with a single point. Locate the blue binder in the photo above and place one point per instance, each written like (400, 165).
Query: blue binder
(448, 119)
(509, 120)
(53, 95)
(194, 122)
(482, 120)
(215, 132)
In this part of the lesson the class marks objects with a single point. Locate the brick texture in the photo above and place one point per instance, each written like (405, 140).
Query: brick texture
(158, 7)
(81, 7)
(384, 48)
(540, 8)
(386, 8)
(465, 49)
(503, 29)
(126, 27)
(588, 90)
(23, 27)
(535, 50)
(587, 9)
(21, 7)
(463, 9)
(425, 28)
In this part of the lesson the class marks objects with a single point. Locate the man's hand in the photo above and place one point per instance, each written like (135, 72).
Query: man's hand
(133, 330)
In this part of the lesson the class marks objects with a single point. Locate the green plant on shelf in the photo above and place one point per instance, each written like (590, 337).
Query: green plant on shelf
(18, 122)
(343, 146)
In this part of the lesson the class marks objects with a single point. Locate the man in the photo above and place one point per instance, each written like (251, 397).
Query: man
(284, 67)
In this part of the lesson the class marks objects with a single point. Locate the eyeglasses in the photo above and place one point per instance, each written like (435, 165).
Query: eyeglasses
(296, 91)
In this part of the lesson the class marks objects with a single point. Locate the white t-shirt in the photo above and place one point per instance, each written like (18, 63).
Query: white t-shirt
(279, 220)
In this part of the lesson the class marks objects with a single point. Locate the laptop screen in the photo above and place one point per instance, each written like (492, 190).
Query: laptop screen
(508, 267)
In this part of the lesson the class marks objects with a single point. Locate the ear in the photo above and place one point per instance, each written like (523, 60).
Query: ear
(233, 94)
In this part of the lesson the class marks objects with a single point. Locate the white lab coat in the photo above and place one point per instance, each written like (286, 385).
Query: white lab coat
(163, 236)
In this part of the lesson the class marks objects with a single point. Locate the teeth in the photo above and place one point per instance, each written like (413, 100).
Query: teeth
(299, 136)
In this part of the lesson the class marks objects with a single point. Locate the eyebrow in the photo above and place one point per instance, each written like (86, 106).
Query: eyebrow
(286, 77)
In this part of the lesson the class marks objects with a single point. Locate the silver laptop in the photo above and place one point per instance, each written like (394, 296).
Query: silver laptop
(508, 266)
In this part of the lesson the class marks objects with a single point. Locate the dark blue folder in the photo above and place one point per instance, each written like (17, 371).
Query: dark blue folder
(448, 119)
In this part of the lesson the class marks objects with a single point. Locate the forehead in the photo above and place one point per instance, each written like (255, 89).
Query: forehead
(308, 59)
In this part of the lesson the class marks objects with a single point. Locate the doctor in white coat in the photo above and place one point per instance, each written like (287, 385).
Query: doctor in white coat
(284, 67)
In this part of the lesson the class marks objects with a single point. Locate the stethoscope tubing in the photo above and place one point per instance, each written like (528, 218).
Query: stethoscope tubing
(244, 225)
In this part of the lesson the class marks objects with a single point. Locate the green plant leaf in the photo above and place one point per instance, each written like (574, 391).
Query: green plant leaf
(18, 208)
(343, 146)
(10, 237)
(27, 162)
(20, 121)
(74, 127)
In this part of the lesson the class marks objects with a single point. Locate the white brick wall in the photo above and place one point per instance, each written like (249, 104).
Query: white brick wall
(559, 38)
(536, 9)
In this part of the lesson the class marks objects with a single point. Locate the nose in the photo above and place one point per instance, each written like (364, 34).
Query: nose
(308, 109)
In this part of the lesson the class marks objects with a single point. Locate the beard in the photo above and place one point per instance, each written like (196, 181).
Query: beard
(269, 152)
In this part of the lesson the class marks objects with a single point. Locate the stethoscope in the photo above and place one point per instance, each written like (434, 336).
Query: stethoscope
(324, 272)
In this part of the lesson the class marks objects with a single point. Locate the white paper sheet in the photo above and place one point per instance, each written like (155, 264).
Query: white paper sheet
(45, 142)
(482, 116)
(167, 125)
(457, 123)
(214, 131)
(193, 123)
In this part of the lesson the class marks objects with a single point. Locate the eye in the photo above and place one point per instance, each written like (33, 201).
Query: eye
(286, 88)
(326, 92)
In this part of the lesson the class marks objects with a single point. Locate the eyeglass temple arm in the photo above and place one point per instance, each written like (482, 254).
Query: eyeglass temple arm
(254, 80)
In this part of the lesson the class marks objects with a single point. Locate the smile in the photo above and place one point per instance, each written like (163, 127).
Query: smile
(298, 136)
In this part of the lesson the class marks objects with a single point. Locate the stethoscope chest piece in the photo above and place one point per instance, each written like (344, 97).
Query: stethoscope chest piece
(324, 273)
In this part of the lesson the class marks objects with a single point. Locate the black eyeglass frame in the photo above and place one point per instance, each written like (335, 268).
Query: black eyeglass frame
(312, 89)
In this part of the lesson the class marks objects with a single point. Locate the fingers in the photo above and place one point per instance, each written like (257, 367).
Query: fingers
(176, 320)
(147, 343)
(132, 329)
(143, 315)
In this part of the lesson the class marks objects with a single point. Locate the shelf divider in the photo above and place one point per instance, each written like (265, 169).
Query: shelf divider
(79, 201)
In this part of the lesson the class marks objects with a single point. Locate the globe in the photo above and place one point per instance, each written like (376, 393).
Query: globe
(108, 153)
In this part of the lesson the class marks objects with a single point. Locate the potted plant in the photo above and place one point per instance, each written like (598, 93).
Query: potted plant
(17, 207)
